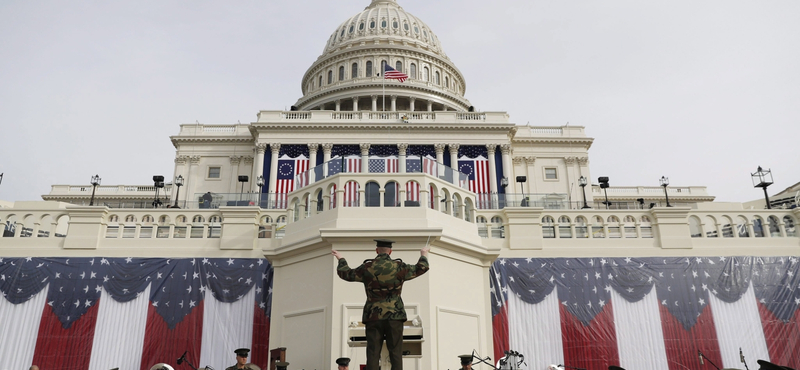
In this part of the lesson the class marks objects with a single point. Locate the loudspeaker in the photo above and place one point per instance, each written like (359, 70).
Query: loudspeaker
(521, 178)
(243, 178)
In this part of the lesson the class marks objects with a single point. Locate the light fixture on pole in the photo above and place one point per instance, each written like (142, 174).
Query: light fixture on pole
(582, 182)
(762, 179)
(95, 181)
(178, 183)
(604, 185)
(260, 183)
(664, 181)
(521, 180)
(158, 183)
(242, 179)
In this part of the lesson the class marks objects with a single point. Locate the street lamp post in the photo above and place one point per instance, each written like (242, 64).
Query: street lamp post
(762, 179)
(260, 183)
(95, 181)
(242, 179)
(521, 180)
(604, 185)
(178, 183)
(158, 183)
(582, 182)
(664, 181)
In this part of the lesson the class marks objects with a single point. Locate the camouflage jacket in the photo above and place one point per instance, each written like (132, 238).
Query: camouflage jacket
(383, 282)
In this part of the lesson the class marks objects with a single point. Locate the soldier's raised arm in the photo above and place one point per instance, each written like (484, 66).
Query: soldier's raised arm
(344, 271)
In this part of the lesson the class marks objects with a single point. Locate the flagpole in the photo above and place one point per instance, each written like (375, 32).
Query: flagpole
(383, 75)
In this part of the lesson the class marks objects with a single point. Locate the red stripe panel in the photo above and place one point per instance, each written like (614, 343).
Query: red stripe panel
(783, 338)
(162, 344)
(65, 349)
(260, 351)
(500, 332)
(682, 345)
(593, 346)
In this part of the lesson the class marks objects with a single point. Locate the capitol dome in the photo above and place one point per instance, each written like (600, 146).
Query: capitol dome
(346, 77)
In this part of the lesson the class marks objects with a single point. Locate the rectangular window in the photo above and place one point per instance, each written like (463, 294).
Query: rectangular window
(179, 232)
(197, 232)
(550, 173)
(129, 231)
(112, 232)
(162, 232)
(146, 232)
(213, 172)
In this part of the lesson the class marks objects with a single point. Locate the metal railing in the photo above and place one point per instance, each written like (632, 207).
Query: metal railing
(354, 164)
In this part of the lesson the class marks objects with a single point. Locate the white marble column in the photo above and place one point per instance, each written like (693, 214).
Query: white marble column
(326, 157)
(430, 106)
(490, 150)
(411, 100)
(454, 156)
(401, 155)
(234, 188)
(355, 104)
(374, 103)
(338, 105)
(439, 148)
(364, 157)
(312, 162)
(508, 170)
(261, 148)
(394, 103)
(275, 148)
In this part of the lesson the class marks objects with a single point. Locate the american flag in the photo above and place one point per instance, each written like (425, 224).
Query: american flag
(131, 313)
(288, 171)
(383, 165)
(428, 165)
(351, 164)
(647, 313)
(477, 171)
(412, 191)
(351, 196)
(393, 74)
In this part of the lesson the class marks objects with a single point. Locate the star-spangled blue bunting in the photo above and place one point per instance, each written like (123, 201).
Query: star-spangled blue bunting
(294, 150)
(473, 151)
(683, 285)
(176, 285)
(383, 150)
(345, 150)
(421, 151)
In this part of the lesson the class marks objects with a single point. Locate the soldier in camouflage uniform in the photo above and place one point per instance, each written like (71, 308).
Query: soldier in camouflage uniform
(384, 313)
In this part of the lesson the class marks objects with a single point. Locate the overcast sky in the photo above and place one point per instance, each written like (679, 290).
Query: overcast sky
(700, 91)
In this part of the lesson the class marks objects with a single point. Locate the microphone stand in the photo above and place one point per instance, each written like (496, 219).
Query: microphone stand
(741, 357)
(702, 356)
(484, 360)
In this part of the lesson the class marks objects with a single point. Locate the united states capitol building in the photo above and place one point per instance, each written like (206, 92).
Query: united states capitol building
(359, 157)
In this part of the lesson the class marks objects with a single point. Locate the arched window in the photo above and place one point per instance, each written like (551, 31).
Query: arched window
(425, 73)
(391, 195)
(727, 227)
(114, 218)
(580, 227)
(741, 227)
(447, 82)
(361, 26)
(480, 220)
(372, 194)
(413, 73)
(383, 63)
(548, 227)
(774, 227)
(758, 227)
(564, 228)
(436, 81)
(383, 23)
(372, 24)
(395, 24)
(320, 81)
(341, 73)
(597, 228)
(695, 229)
(354, 71)
(711, 227)
(405, 26)
(197, 219)
(398, 66)
(369, 69)
(788, 224)
(130, 218)
(330, 77)
(352, 28)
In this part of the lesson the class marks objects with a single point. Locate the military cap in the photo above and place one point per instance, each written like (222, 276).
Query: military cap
(766, 365)
(281, 365)
(384, 243)
(465, 359)
(343, 361)
(242, 352)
